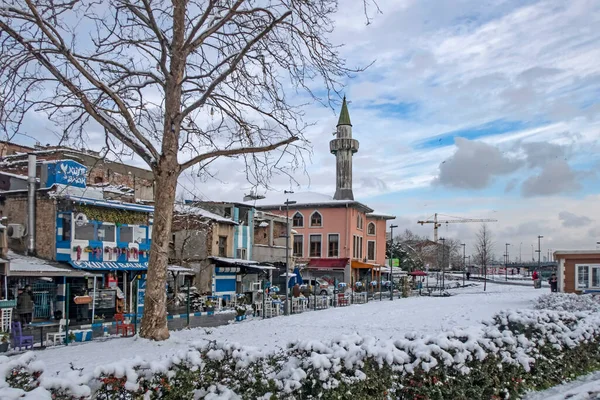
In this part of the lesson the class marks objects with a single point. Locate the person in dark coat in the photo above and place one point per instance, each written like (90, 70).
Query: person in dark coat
(25, 305)
(553, 281)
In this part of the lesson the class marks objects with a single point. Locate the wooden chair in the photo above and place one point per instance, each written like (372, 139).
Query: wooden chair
(18, 340)
(123, 327)
(58, 337)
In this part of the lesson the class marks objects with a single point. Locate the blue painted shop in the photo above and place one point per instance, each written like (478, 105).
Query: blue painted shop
(107, 241)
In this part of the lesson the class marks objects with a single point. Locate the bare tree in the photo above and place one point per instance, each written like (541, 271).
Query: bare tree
(484, 250)
(180, 83)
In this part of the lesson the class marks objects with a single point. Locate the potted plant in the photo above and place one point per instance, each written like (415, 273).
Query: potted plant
(209, 306)
(4, 342)
(71, 337)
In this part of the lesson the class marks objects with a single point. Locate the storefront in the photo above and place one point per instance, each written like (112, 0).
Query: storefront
(329, 269)
(234, 276)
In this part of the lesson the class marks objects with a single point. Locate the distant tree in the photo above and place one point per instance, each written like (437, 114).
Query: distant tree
(409, 260)
(484, 250)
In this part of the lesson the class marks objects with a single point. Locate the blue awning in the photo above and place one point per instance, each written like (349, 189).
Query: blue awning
(109, 266)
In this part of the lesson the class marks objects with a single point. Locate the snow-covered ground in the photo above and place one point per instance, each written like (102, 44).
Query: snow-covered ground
(585, 388)
(383, 320)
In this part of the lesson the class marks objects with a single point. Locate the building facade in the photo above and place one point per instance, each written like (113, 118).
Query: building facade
(578, 271)
(337, 236)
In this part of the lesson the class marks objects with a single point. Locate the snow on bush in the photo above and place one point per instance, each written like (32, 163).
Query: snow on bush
(513, 352)
(567, 302)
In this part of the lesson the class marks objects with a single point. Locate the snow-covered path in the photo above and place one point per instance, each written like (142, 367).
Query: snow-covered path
(383, 320)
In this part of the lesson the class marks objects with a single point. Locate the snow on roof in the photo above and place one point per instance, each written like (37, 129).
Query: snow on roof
(195, 210)
(301, 199)
(116, 189)
(576, 252)
(376, 214)
(28, 265)
(17, 176)
(95, 196)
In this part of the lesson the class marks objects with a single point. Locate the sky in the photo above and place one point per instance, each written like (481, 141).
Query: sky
(474, 109)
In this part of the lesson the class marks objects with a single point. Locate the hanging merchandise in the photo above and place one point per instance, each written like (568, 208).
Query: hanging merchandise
(77, 249)
(135, 253)
(128, 253)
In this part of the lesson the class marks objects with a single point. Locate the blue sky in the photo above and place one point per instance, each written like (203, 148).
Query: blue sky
(475, 109)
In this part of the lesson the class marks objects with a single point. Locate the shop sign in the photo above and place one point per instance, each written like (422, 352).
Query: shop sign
(67, 172)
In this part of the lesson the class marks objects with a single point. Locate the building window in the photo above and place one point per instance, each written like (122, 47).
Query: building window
(298, 249)
(84, 231)
(359, 221)
(106, 233)
(222, 246)
(66, 227)
(357, 247)
(298, 220)
(316, 220)
(333, 246)
(315, 246)
(371, 228)
(126, 234)
(371, 250)
(241, 253)
(584, 273)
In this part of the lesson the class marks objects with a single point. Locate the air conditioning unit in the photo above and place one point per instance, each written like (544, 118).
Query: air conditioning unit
(259, 214)
(16, 231)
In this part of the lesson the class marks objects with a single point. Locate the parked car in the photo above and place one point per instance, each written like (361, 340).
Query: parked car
(322, 286)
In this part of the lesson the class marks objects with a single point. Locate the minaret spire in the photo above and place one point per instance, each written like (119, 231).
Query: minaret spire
(344, 114)
(343, 147)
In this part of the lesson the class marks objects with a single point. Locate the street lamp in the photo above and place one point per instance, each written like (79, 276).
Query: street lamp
(287, 250)
(506, 264)
(392, 260)
(539, 251)
(464, 246)
(520, 246)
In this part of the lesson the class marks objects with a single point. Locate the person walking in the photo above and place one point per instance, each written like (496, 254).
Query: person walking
(25, 305)
(535, 277)
(553, 281)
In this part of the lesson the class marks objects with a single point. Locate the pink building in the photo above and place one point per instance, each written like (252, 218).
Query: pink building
(335, 236)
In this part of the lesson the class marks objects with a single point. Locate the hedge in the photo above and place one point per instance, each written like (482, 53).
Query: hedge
(514, 352)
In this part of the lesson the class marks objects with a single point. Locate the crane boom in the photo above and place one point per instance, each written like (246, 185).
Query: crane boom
(457, 220)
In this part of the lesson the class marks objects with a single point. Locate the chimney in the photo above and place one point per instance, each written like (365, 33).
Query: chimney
(31, 172)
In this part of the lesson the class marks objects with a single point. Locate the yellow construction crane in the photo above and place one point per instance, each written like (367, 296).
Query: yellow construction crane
(456, 220)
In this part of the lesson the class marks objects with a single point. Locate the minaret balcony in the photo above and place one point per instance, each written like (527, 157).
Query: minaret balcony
(343, 144)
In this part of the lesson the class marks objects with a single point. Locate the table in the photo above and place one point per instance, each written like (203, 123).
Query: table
(42, 325)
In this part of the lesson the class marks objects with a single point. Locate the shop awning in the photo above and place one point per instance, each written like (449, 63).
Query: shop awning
(178, 269)
(363, 265)
(28, 266)
(109, 266)
(111, 204)
(261, 267)
(327, 263)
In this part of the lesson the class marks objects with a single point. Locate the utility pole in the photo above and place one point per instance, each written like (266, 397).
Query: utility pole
(520, 246)
(539, 251)
(506, 264)
(287, 252)
(464, 246)
(392, 261)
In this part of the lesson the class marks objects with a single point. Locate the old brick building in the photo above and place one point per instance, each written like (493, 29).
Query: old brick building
(117, 180)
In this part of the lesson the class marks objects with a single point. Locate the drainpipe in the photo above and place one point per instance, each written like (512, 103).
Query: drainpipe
(31, 173)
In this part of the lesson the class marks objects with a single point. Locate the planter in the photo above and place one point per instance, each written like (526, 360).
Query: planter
(83, 336)
(210, 309)
(239, 317)
(4, 347)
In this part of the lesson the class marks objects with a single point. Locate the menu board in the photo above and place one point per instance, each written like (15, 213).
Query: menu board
(105, 299)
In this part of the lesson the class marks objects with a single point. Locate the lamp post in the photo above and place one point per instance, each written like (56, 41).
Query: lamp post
(392, 260)
(506, 263)
(464, 246)
(539, 251)
(287, 251)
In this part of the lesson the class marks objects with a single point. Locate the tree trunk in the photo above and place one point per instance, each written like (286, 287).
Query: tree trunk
(154, 322)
